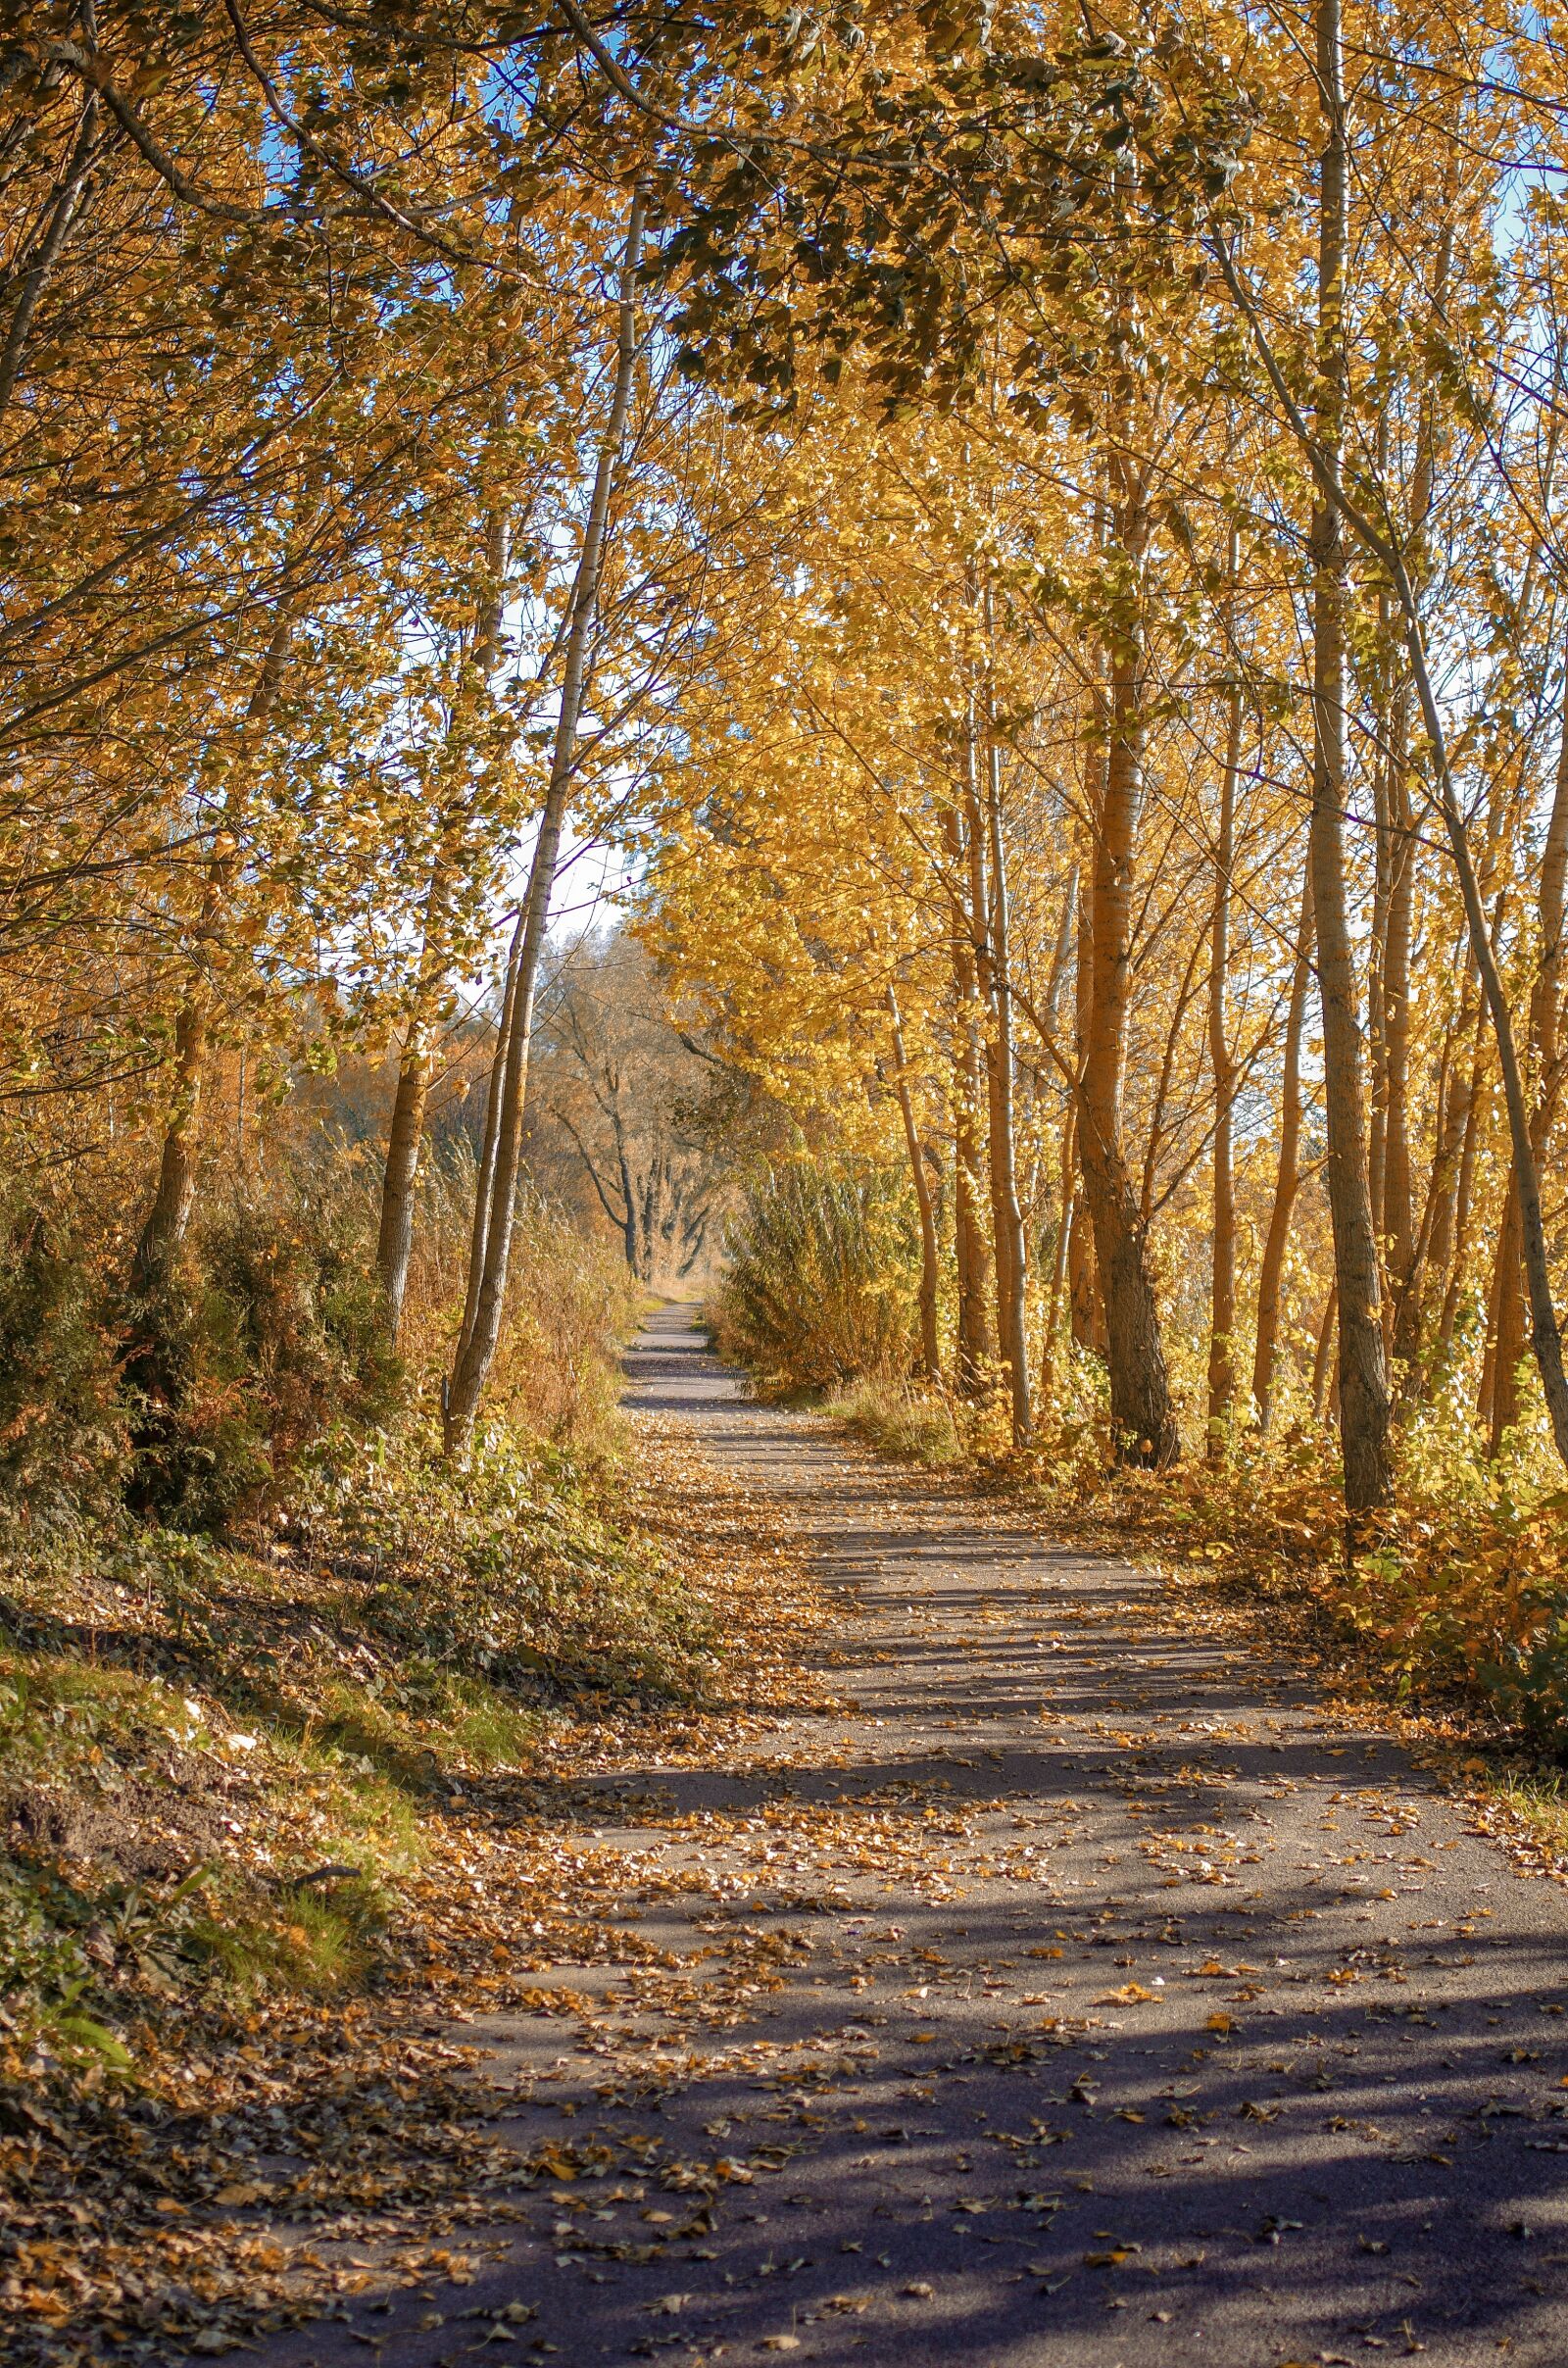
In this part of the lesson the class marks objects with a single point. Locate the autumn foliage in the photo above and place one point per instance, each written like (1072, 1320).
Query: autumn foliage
(1034, 539)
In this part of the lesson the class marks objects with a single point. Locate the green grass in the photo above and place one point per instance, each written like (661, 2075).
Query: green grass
(1539, 1799)
(237, 1720)
(899, 1421)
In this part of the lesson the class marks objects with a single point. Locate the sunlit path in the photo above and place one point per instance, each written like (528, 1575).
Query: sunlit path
(1126, 2008)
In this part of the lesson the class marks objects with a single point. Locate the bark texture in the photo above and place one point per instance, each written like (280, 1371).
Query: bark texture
(1222, 1297)
(1363, 1368)
(1287, 1175)
(1143, 1418)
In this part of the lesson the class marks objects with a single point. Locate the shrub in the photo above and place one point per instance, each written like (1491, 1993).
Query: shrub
(572, 1302)
(822, 1276)
(64, 1431)
(266, 1347)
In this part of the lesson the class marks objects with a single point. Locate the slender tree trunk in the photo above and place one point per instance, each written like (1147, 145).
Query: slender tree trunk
(1058, 1263)
(1322, 1361)
(978, 916)
(1376, 1032)
(1419, 1317)
(1499, 1403)
(1397, 1218)
(1287, 1174)
(1143, 1419)
(168, 1218)
(486, 1299)
(1175, 1028)
(976, 1347)
(1011, 1249)
(400, 1171)
(1084, 1302)
(930, 1345)
(399, 1176)
(1222, 1304)
(1546, 1066)
(1407, 1318)
(1456, 1265)
(394, 1245)
(1363, 1368)
(405, 1128)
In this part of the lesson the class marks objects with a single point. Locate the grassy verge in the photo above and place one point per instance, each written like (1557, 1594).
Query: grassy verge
(899, 1421)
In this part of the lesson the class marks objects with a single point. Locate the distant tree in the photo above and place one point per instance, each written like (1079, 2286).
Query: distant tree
(625, 1104)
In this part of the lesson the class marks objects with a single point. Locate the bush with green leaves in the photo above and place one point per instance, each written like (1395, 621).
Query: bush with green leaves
(507, 1568)
(65, 1443)
(199, 1402)
(822, 1276)
(267, 1342)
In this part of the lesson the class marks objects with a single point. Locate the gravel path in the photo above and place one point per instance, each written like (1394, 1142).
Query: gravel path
(1112, 2006)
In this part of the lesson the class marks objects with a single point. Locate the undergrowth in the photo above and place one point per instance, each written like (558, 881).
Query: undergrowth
(191, 1731)
(268, 1809)
(252, 1628)
(821, 1276)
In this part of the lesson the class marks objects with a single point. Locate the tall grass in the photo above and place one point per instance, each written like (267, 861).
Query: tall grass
(822, 1276)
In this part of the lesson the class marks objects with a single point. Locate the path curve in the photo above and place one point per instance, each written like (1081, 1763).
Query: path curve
(1133, 2013)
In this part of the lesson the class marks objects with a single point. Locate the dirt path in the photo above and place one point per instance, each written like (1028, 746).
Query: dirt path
(1109, 2005)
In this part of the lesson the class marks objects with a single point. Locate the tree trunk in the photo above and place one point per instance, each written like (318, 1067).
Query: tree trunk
(490, 1267)
(1500, 1404)
(1456, 1265)
(1058, 1263)
(1545, 1068)
(406, 1129)
(167, 1221)
(1397, 1222)
(1011, 1251)
(394, 1245)
(1143, 1420)
(1323, 1360)
(70, 202)
(1084, 1304)
(930, 1345)
(976, 1347)
(1222, 1300)
(1288, 1175)
(1363, 1368)
(165, 1226)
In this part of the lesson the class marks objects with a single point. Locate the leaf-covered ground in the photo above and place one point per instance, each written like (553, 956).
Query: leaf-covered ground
(269, 1850)
(1055, 1978)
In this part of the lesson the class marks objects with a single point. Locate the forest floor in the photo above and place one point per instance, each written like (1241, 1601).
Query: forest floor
(1067, 1983)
